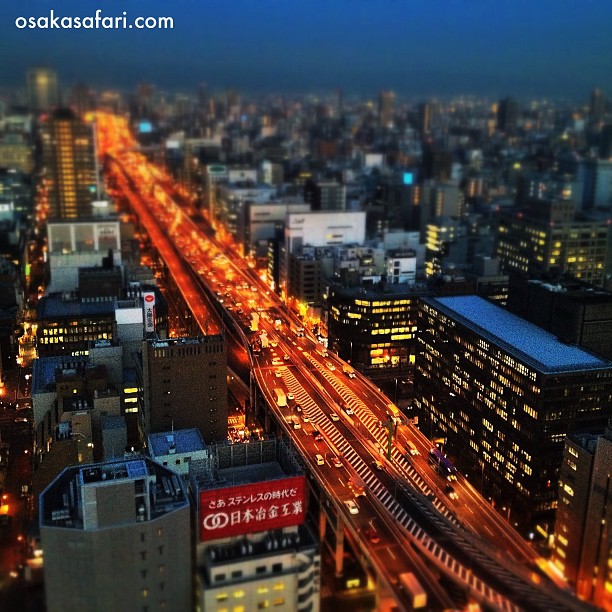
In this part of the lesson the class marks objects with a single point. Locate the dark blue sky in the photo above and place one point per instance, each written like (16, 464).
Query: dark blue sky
(560, 48)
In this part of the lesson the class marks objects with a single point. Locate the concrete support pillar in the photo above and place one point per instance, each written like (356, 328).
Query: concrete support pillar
(339, 555)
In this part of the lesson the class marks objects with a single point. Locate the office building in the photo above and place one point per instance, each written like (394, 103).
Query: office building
(574, 312)
(546, 237)
(185, 386)
(67, 325)
(374, 329)
(80, 244)
(117, 536)
(262, 222)
(386, 104)
(305, 281)
(325, 195)
(583, 537)
(43, 91)
(261, 555)
(69, 158)
(319, 229)
(507, 116)
(504, 394)
(231, 203)
(597, 107)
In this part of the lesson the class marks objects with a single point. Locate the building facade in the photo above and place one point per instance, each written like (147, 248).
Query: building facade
(374, 329)
(185, 385)
(261, 555)
(504, 394)
(69, 156)
(116, 536)
(583, 538)
(546, 237)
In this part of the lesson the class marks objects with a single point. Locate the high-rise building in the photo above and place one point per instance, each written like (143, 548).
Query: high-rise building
(583, 538)
(43, 92)
(597, 106)
(185, 386)
(374, 330)
(69, 157)
(546, 237)
(82, 99)
(504, 394)
(574, 312)
(427, 113)
(117, 536)
(386, 103)
(507, 115)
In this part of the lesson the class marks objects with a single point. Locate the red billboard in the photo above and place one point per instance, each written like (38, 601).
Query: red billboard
(252, 507)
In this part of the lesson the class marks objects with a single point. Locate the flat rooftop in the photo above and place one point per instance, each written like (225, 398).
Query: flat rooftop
(182, 440)
(525, 341)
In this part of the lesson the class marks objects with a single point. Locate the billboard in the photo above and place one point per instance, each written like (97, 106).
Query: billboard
(148, 298)
(252, 507)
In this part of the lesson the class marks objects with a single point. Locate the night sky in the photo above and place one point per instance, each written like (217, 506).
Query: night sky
(557, 48)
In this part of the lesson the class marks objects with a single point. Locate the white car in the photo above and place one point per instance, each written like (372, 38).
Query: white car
(290, 396)
(334, 417)
(353, 508)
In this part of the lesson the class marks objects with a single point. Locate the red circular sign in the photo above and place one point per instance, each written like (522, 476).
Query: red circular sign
(149, 298)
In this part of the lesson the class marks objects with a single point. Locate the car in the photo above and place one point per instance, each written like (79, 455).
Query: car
(305, 418)
(450, 491)
(317, 435)
(21, 420)
(286, 357)
(273, 344)
(334, 417)
(290, 396)
(347, 410)
(372, 536)
(298, 408)
(377, 464)
(353, 508)
(278, 374)
(337, 463)
(330, 365)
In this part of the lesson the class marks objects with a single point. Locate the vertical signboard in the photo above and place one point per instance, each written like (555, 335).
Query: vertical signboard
(149, 310)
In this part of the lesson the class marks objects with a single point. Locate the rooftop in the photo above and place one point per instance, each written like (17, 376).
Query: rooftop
(526, 341)
(181, 440)
(154, 491)
(44, 371)
(56, 305)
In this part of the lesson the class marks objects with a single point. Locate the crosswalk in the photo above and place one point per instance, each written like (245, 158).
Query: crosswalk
(416, 489)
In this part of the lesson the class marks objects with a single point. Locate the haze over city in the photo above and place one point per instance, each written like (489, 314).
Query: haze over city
(415, 47)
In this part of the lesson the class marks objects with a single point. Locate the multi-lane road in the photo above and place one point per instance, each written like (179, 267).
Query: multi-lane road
(408, 519)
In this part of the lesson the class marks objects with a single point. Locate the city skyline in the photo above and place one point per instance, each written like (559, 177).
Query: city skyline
(414, 48)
